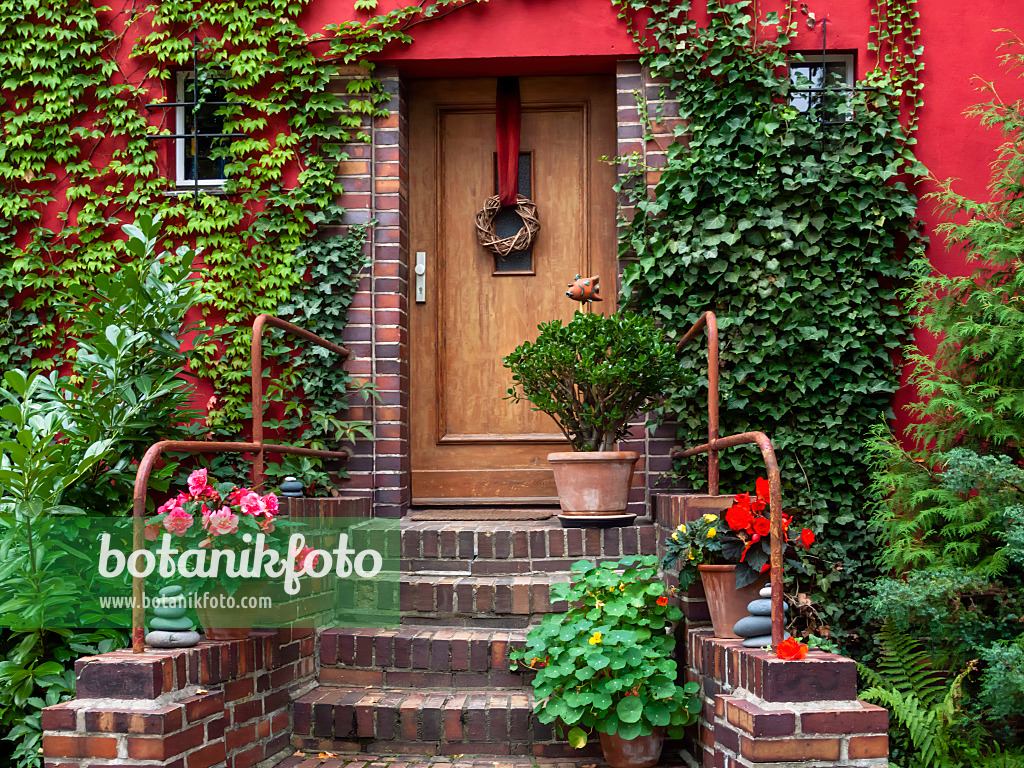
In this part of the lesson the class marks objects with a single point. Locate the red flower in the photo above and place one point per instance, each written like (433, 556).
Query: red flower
(663, 600)
(790, 649)
(761, 488)
(738, 518)
(807, 537)
(765, 567)
(742, 501)
(762, 526)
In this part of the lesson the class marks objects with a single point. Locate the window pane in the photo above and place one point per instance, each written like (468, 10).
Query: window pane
(818, 74)
(507, 221)
(208, 122)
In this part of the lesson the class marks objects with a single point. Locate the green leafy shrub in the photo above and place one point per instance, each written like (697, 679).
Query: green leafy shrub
(73, 444)
(606, 664)
(797, 235)
(594, 374)
(950, 508)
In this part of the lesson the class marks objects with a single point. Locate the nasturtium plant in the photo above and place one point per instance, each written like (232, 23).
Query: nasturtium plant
(606, 664)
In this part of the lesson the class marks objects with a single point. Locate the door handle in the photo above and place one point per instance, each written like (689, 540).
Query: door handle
(421, 277)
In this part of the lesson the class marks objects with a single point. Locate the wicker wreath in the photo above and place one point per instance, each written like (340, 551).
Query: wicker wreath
(521, 240)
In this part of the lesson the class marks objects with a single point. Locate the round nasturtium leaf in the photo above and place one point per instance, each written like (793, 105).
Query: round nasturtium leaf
(630, 709)
(577, 738)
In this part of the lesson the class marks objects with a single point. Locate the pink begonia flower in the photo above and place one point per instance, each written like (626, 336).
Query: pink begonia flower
(223, 521)
(206, 519)
(197, 482)
(252, 504)
(205, 544)
(267, 526)
(270, 505)
(152, 532)
(170, 504)
(178, 521)
(303, 556)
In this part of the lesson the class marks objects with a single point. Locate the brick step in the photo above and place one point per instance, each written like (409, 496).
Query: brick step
(506, 602)
(314, 760)
(507, 548)
(422, 657)
(425, 722)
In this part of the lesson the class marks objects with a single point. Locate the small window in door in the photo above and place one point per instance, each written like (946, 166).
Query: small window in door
(507, 222)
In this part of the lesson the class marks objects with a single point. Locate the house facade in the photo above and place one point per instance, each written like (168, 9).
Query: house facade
(445, 435)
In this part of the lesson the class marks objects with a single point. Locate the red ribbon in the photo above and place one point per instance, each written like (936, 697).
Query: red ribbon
(507, 125)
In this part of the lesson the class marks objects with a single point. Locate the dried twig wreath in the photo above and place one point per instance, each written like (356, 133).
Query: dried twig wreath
(521, 240)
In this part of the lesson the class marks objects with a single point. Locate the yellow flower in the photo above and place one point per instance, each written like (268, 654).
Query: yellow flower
(710, 518)
(675, 537)
(689, 553)
(596, 638)
(680, 527)
(711, 533)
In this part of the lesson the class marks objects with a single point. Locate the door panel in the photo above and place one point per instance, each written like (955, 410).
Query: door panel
(468, 442)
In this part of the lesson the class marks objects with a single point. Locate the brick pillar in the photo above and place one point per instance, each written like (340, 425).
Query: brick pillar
(391, 489)
(762, 711)
(218, 704)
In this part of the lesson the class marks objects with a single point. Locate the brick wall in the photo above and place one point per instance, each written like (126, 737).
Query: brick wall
(758, 709)
(222, 704)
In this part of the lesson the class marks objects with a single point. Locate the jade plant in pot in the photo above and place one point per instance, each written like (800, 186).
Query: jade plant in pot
(592, 376)
(606, 666)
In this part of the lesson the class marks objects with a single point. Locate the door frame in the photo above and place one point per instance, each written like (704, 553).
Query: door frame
(378, 331)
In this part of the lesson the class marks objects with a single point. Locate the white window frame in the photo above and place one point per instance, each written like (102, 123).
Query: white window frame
(812, 59)
(179, 144)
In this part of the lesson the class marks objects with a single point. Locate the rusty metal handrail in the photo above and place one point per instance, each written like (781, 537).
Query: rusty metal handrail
(255, 446)
(716, 443)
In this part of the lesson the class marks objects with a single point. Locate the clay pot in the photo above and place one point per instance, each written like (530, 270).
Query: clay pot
(641, 752)
(224, 623)
(726, 604)
(593, 482)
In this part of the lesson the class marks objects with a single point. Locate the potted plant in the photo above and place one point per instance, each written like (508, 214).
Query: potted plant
(731, 553)
(592, 376)
(606, 664)
(216, 516)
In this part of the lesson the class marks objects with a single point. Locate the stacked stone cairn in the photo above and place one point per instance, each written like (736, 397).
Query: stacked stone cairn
(169, 627)
(757, 627)
(291, 488)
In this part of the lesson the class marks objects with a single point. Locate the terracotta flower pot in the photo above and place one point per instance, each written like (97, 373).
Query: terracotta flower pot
(641, 752)
(726, 604)
(593, 482)
(221, 622)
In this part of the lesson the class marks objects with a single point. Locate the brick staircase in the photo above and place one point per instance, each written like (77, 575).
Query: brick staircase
(442, 684)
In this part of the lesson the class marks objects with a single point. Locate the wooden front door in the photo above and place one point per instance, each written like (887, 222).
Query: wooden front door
(470, 444)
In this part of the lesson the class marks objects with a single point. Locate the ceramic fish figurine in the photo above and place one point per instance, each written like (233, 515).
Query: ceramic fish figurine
(583, 290)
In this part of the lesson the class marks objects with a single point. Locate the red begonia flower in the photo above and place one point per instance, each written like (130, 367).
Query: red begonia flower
(761, 526)
(790, 649)
(761, 488)
(738, 518)
(807, 537)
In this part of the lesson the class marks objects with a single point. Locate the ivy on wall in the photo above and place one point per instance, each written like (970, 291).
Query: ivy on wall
(76, 158)
(797, 235)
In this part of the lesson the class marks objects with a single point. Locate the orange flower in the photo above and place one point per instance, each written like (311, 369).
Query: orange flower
(790, 649)
(663, 600)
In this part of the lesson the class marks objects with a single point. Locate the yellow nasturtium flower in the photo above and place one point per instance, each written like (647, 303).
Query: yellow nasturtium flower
(596, 638)
(675, 537)
(711, 533)
(710, 518)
